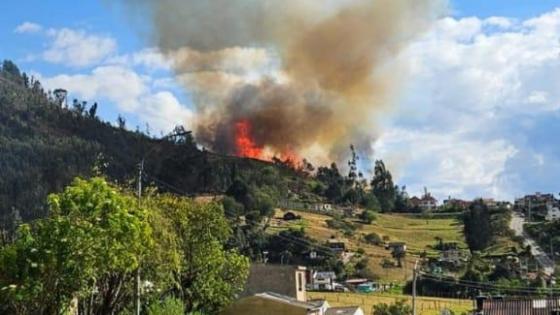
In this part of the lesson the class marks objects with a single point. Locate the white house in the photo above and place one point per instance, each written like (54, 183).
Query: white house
(552, 212)
(323, 280)
(352, 310)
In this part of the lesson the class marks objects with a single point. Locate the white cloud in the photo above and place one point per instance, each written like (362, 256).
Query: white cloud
(471, 81)
(150, 59)
(164, 111)
(447, 163)
(77, 48)
(129, 91)
(28, 27)
(499, 21)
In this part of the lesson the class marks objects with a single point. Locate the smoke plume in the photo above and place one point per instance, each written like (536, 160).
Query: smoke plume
(287, 77)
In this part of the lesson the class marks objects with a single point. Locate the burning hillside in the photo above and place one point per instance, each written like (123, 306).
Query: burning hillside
(287, 77)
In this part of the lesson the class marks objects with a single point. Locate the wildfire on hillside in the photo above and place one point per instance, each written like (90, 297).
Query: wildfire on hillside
(245, 146)
(287, 78)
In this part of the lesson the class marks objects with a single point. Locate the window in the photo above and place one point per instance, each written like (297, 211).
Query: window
(300, 281)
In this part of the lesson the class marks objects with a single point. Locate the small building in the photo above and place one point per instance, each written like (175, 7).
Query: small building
(534, 203)
(517, 306)
(336, 245)
(281, 279)
(397, 247)
(352, 310)
(322, 207)
(366, 287)
(456, 203)
(426, 203)
(290, 216)
(451, 255)
(323, 280)
(490, 202)
(552, 212)
(356, 282)
(269, 303)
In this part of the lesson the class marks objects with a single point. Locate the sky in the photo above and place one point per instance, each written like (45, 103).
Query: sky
(477, 116)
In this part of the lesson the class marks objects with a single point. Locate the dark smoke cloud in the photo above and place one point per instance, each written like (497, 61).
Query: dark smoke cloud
(310, 76)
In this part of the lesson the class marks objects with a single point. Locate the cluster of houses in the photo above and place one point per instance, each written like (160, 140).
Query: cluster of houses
(282, 289)
(428, 203)
(539, 205)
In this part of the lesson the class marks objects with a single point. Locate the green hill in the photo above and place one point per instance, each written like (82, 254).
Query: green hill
(45, 145)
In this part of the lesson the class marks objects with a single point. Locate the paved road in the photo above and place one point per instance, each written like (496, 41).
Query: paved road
(542, 258)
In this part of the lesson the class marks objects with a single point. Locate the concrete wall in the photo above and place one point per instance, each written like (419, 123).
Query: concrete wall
(281, 279)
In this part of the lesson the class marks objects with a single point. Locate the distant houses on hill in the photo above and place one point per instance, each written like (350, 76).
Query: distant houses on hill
(539, 206)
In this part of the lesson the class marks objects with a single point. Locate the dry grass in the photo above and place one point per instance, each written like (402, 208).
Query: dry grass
(425, 305)
(418, 233)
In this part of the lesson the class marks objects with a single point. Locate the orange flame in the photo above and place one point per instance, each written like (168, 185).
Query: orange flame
(244, 144)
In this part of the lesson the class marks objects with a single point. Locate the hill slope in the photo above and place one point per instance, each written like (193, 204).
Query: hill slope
(44, 146)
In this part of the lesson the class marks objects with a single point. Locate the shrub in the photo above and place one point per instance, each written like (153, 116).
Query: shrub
(399, 308)
(169, 306)
(373, 238)
(368, 216)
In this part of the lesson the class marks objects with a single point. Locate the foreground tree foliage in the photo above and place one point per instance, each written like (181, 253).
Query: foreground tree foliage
(95, 239)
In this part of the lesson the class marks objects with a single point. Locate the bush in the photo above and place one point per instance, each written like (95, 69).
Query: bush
(339, 224)
(399, 308)
(373, 238)
(169, 306)
(289, 216)
(232, 208)
(368, 216)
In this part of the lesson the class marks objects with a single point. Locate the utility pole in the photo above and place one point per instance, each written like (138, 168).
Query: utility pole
(414, 277)
(529, 214)
(137, 304)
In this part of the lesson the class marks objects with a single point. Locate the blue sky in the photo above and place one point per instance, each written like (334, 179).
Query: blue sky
(478, 116)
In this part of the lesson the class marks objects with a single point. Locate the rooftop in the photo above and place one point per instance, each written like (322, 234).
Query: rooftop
(288, 300)
(351, 310)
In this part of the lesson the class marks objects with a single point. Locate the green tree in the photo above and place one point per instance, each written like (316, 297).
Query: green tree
(477, 226)
(373, 238)
(383, 187)
(210, 276)
(89, 247)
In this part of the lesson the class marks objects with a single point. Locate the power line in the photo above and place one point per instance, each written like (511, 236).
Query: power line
(485, 286)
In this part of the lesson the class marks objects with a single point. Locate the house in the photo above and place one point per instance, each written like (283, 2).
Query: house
(451, 255)
(534, 203)
(517, 306)
(269, 303)
(414, 202)
(281, 279)
(322, 280)
(426, 203)
(397, 247)
(552, 212)
(456, 203)
(352, 310)
(356, 282)
(322, 207)
(366, 287)
(490, 202)
(336, 245)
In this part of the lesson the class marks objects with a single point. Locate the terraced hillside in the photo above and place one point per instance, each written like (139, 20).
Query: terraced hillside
(420, 234)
